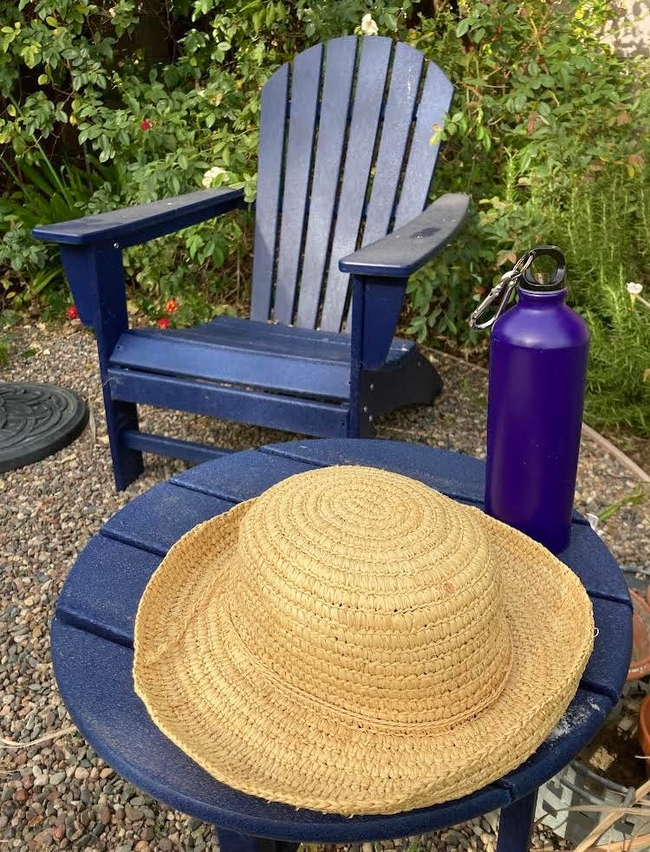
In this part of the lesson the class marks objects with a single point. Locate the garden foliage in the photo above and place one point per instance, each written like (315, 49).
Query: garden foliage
(121, 102)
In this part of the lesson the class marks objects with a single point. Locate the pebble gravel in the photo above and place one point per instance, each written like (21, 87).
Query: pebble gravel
(57, 793)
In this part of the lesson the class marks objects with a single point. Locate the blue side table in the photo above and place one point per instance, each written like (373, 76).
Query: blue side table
(92, 641)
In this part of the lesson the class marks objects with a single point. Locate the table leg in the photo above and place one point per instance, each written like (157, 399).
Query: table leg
(231, 841)
(516, 825)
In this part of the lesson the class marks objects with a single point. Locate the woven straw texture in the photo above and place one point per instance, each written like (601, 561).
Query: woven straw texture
(354, 642)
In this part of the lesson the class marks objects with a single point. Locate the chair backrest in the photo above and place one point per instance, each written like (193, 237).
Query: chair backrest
(345, 156)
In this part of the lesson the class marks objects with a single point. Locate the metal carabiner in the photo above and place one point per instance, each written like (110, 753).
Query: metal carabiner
(505, 286)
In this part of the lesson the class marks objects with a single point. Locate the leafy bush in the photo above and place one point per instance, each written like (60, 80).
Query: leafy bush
(604, 228)
(541, 103)
(165, 127)
(42, 193)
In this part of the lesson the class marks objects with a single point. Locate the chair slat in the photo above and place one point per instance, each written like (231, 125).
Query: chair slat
(247, 336)
(305, 86)
(337, 88)
(300, 415)
(231, 328)
(400, 110)
(236, 333)
(212, 362)
(270, 165)
(369, 97)
(236, 329)
(434, 103)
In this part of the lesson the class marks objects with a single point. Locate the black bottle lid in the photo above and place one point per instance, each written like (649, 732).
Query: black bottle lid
(541, 280)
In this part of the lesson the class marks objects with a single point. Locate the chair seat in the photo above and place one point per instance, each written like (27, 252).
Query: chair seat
(234, 351)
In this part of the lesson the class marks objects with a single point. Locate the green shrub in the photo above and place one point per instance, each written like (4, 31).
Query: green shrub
(604, 228)
(541, 103)
(164, 127)
(42, 193)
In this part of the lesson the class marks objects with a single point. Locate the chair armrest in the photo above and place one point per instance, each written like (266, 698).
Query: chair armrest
(404, 251)
(138, 224)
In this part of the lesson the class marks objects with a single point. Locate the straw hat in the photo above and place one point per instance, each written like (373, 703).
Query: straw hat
(354, 642)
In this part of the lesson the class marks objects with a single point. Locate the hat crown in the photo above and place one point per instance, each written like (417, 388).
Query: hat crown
(371, 593)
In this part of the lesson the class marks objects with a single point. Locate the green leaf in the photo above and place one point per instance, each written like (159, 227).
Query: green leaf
(390, 21)
(520, 101)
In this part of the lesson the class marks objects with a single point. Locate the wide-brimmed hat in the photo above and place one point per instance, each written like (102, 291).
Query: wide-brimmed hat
(354, 642)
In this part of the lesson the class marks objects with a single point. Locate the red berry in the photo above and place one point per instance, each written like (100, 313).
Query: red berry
(163, 322)
(72, 313)
(171, 306)
(146, 124)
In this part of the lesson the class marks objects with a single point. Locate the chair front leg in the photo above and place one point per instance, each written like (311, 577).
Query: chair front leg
(96, 278)
(376, 305)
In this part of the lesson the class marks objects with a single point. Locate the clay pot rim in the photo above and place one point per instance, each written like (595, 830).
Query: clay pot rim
(641, 667)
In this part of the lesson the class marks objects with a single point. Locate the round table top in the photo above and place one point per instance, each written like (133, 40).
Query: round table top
(92, 640)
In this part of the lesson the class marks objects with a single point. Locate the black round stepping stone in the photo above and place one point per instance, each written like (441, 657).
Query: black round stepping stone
(36, 421)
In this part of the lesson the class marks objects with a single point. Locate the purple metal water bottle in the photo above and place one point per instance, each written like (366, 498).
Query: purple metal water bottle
(538, 367)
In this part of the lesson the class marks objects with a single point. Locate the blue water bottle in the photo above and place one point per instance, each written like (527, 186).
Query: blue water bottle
(538, 368)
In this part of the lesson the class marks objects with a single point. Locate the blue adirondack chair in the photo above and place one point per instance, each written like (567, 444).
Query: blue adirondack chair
(345, 159)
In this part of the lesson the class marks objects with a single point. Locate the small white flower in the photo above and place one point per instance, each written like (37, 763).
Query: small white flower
(634, 289)
(211, 175)
(368, 25)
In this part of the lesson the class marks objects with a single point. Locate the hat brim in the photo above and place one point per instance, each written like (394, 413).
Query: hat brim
(214, 701)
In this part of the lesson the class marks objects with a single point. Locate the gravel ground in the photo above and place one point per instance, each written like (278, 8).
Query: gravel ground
(58, 793)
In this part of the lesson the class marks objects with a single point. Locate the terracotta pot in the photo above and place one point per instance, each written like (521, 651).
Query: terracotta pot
(644, 730)
(640, 664)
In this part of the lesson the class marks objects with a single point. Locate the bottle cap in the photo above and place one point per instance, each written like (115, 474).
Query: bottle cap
(550, 277)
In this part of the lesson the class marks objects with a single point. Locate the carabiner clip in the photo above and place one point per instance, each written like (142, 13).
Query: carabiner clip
(503, 289)
(506, 285)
